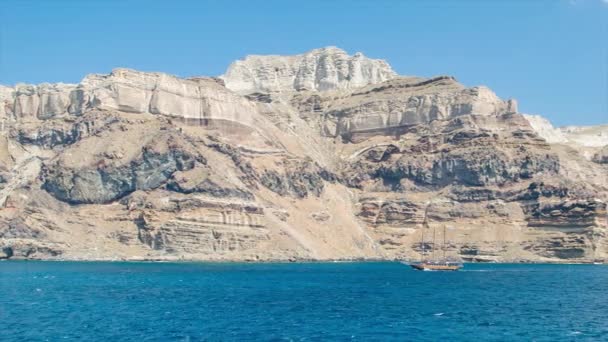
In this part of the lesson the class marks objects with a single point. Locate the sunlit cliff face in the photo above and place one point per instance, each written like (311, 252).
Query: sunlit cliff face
(315, 156)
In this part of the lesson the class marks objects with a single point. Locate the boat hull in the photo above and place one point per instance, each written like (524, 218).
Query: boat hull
(436, 267)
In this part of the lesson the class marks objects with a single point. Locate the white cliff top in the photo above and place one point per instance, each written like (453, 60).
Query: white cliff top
(128, 91)
(587, 136)
(321, 69)
(545, 129)
(591, 136)
(318, 70)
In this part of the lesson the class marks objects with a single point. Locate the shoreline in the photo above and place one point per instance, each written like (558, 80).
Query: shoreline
(298, 261)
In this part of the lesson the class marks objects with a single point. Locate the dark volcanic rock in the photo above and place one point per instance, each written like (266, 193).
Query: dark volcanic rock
(300, 179)
(59, 132)
(102, 184)
(207, 186)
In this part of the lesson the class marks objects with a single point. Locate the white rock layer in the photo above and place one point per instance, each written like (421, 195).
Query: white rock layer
(590, 136)
(317, 70)
(400, 102)
(545, 129)
(6, 101)
(587, 136)
(129, 91)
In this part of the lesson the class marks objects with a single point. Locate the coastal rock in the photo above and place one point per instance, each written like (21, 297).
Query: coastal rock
(28, 249)
(319, 156)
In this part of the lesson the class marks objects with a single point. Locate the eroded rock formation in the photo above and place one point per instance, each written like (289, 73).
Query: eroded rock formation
(317, 70)
(315, 156)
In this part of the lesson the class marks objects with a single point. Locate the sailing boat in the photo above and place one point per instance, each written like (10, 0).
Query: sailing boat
(442, 264)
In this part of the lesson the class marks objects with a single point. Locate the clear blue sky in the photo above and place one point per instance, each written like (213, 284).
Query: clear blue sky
(550, 55)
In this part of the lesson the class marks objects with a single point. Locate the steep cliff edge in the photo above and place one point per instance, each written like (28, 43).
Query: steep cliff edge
(315, 156)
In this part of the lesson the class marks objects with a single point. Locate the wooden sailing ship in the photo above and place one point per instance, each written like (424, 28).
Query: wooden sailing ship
(434, 264)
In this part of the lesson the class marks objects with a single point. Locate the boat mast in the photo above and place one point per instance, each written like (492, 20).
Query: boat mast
(425, 226)
(433, 254)
(422, 245)
(444, 242)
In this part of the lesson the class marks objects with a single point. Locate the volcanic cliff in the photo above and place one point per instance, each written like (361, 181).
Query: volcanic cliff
(316, 156)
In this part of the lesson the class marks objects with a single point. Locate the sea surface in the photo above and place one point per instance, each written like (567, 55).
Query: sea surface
(121, 301)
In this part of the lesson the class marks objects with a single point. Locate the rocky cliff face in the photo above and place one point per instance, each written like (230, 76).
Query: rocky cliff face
(315, 156)
(318, 70)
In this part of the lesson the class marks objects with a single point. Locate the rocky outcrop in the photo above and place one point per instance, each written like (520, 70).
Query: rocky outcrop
(29, 250)
(545, 129)
(316, 156)
(300, 178)
(601, 157)
(586, 136)
(61, 132)
(202, 227)
(391, 107)
(565, 214)
(452, 154)
(7, 102)
(203, 180)
(590, 136)
(194, 100)
(103, 181)
(317, 70)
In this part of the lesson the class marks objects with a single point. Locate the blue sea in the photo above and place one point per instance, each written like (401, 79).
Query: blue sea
(112, 301)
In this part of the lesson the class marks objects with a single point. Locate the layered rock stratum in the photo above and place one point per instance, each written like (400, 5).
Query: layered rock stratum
(317, 156)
